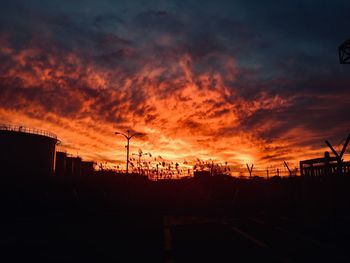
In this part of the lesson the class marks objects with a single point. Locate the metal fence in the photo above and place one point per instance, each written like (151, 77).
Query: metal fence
(267, 172)
(15, 128)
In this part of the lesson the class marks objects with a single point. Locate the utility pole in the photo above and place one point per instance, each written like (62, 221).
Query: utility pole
(128, 137)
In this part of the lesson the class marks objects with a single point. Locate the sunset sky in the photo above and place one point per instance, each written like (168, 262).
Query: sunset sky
(237, 81)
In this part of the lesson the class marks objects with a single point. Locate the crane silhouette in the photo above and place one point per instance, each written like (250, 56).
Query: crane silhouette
(344, 52)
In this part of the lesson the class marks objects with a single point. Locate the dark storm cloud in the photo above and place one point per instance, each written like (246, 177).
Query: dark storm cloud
(161, 21)
(108, 21)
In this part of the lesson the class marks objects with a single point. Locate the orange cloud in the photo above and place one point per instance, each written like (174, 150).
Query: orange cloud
(185, 113)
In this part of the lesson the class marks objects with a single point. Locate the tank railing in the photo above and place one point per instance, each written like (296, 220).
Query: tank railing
(6, 127)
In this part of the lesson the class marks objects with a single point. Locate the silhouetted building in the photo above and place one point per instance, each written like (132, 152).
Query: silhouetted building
(327, 165)
(61, 164)
(87, 168)
(324, 166)
(25, 151)
(73, 166)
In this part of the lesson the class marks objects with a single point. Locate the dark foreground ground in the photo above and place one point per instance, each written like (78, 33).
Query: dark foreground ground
(199, 220)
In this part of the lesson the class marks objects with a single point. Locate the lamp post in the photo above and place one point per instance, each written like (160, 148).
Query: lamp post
(128, 137)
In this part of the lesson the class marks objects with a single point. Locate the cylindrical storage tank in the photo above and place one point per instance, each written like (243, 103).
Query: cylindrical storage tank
(26, 152)
(73, 166)
(61, 164)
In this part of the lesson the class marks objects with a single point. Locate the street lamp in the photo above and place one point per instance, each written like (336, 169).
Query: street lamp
(128, 137)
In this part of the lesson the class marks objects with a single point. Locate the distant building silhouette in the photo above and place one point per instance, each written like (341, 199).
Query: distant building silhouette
(25, 151)
(72, 166)
(327, 165)
(87, 168)
(61, 164)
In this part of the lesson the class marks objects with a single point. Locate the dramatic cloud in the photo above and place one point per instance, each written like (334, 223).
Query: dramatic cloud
(236, 82)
